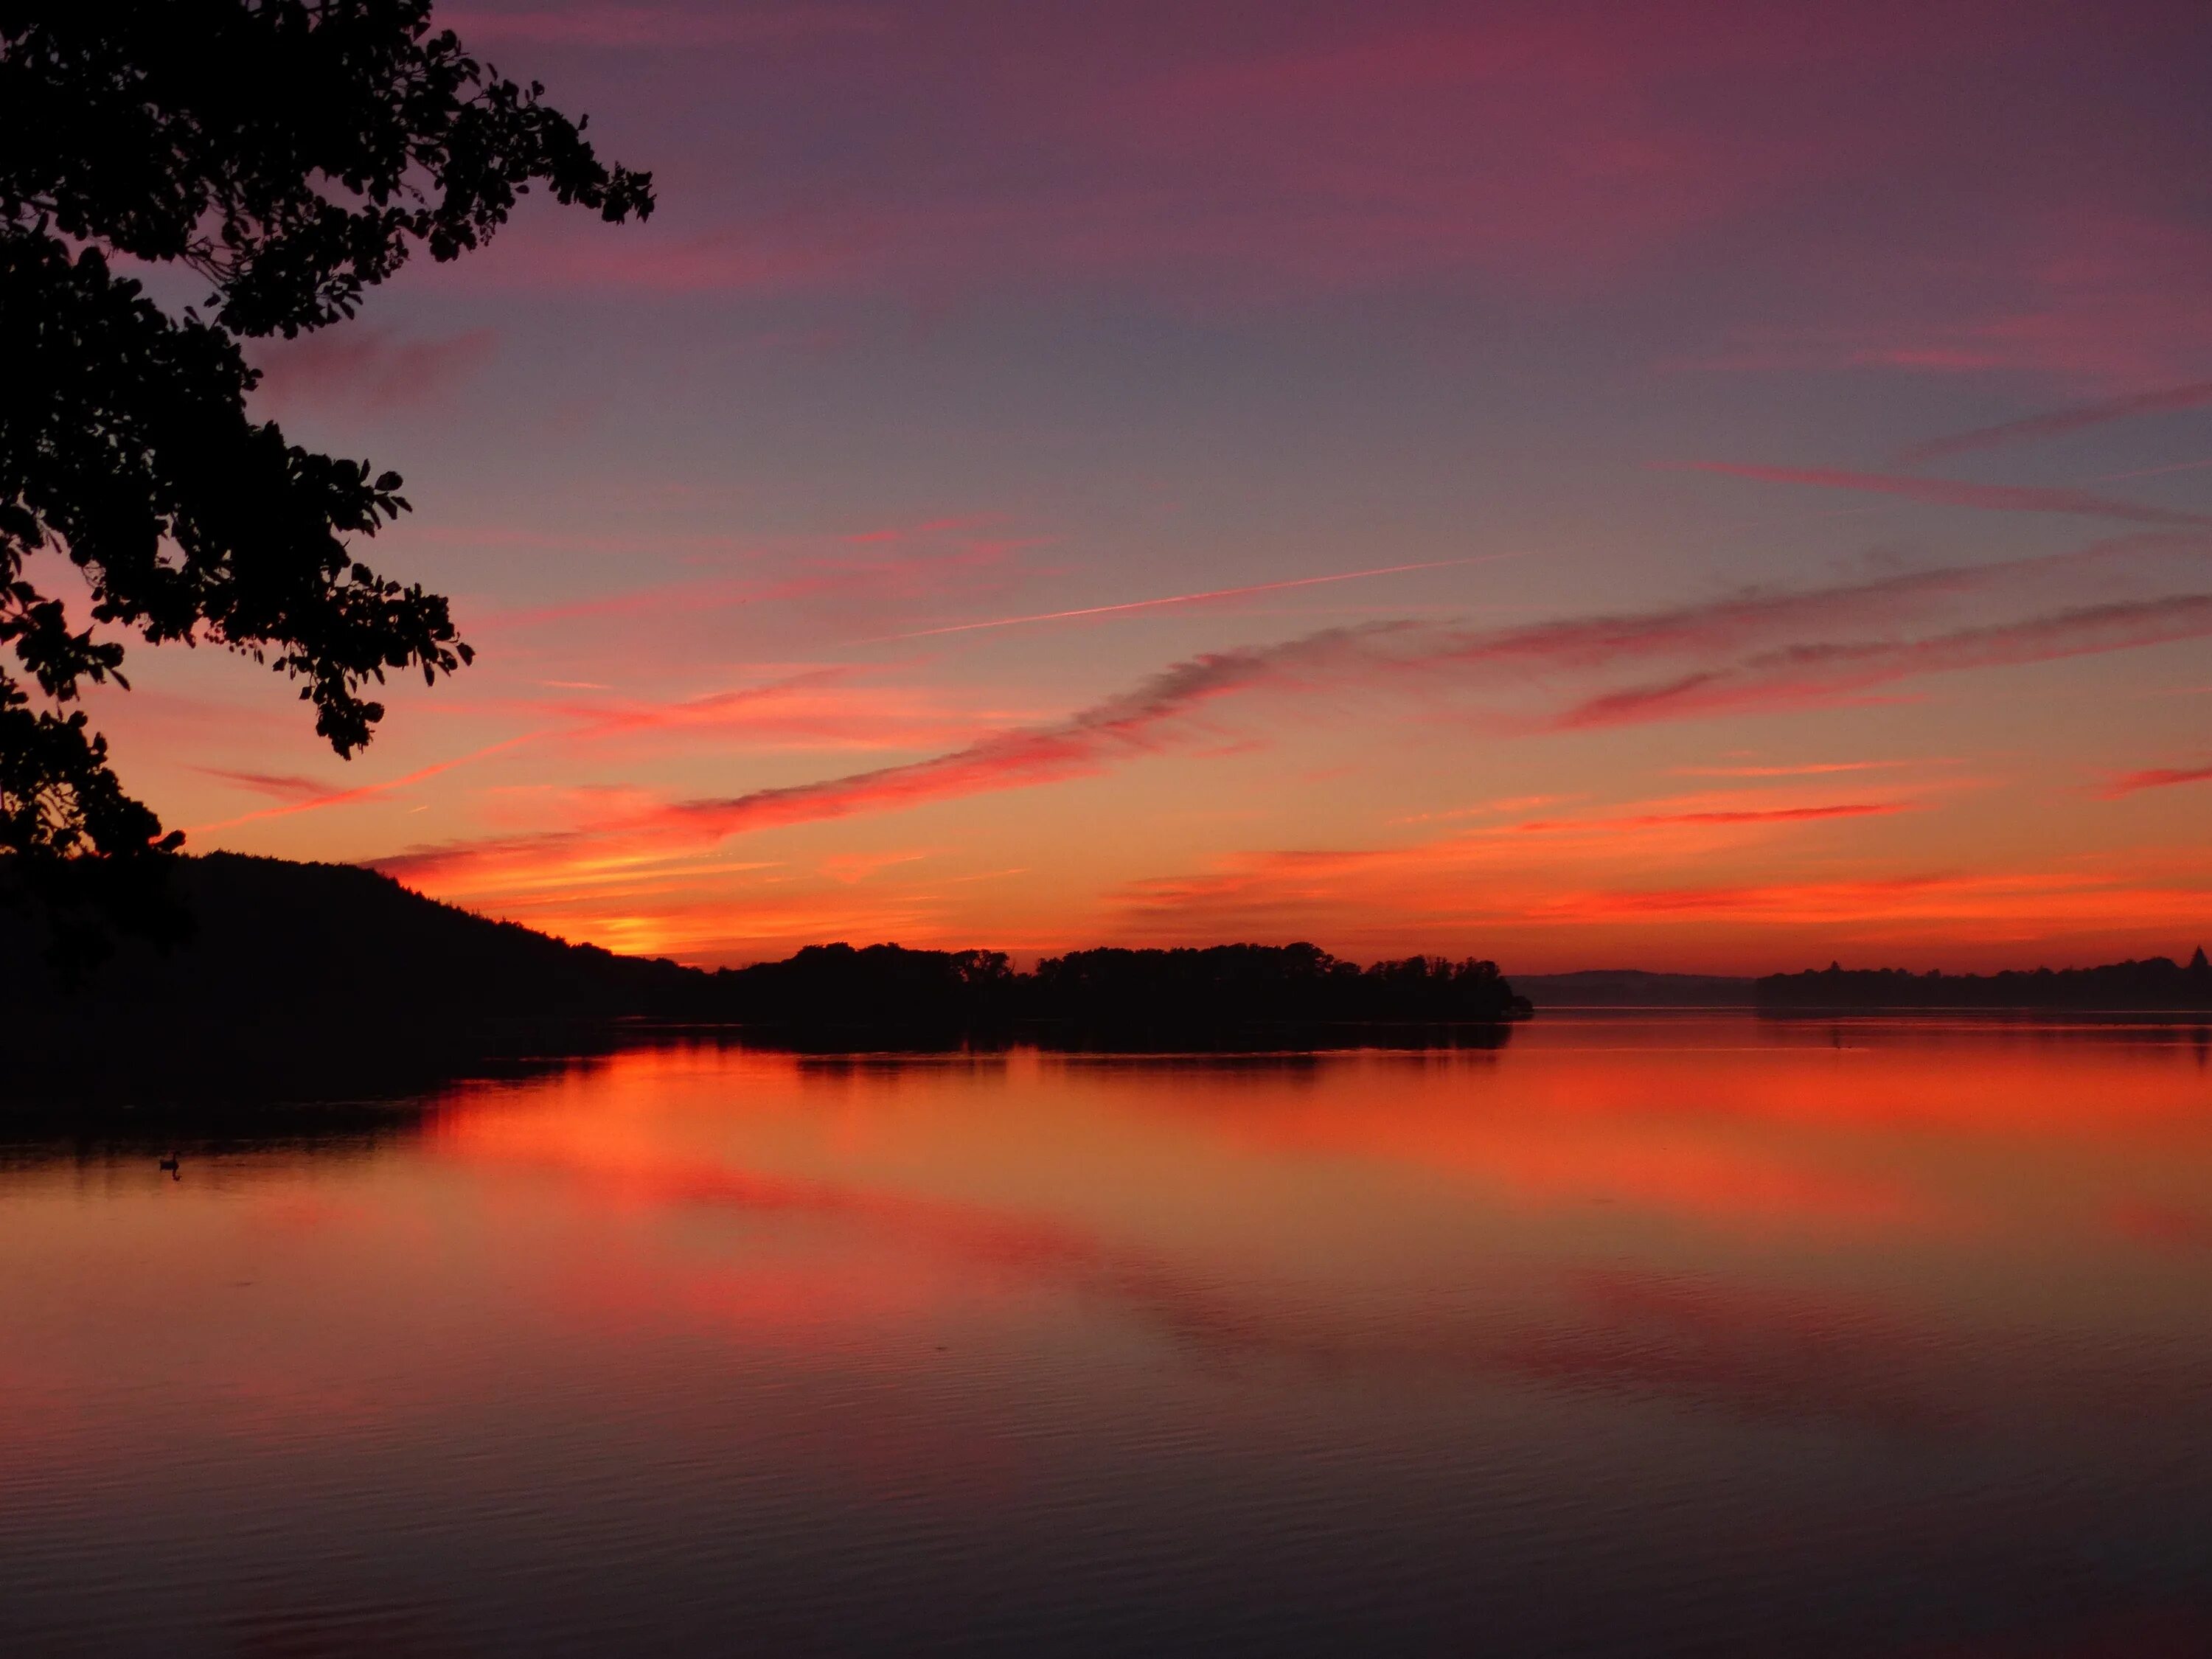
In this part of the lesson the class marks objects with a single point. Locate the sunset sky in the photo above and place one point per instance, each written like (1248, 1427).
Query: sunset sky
(1696, 486)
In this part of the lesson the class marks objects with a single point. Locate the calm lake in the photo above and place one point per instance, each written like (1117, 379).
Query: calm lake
(1638, 1335)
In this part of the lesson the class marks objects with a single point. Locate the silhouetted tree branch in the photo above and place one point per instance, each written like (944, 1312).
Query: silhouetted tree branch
(293, 153)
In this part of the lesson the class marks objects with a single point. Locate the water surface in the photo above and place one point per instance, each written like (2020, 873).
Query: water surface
(1636, 1336)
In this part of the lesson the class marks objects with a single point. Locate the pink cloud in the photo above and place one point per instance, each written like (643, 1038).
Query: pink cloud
(315, 802)
(1721, 817)
(1163, 711)
(367, 367)
(283, 786)
(1947, 187)
(821, 708)
(2095, 294)
(1823, 672)
(1144, 720)
(2058, 422)
(1809, 769)
(1946, 492)
(981, 563)
(814, 712)
(1890, 185)
(1285, 157)
(2157, 777)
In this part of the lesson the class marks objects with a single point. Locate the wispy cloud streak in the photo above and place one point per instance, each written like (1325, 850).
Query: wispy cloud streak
(368, 368)
(2058, 422)
(616, 27)
(1732, 642)
(1721, 816)
(1808, 768)
(1500, 889)
(1134, 723)
(2157, 777)
(872, 578)
(817, 708)
(1950, 492)
(310, 802)
(1814, 672)
(1209, 595)
(289, 787)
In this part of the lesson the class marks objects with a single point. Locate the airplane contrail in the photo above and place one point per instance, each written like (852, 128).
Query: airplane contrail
(1185, 598)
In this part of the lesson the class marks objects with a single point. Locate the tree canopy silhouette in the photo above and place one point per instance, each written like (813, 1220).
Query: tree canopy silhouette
(290, 154)
(1113, 989)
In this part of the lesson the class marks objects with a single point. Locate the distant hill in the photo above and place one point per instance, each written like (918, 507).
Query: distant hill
(1631, 987)
(319, 980)
(333, 943)
(2155, 984)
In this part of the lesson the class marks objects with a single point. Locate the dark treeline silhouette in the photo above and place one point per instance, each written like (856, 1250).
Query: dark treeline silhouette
(1633, 987)
(1114, 998)
(2155, 984)
(298, 972)
(1247, 984)
(827, 991)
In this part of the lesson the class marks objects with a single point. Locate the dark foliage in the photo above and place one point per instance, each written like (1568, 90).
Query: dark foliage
(322, 977)
(879, 991)
(2154, 984)
(307, 977)
(290, 154)
(1250, 985)
(274, 941)
(1632, 987)
(1108, 998)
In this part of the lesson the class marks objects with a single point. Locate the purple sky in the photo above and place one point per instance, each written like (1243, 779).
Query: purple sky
(1786, 433)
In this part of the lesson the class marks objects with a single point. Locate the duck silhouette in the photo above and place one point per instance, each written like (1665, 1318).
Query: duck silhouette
(170, 1164)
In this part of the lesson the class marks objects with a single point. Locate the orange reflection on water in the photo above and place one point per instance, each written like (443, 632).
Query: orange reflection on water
(1615, 1282)
(1257, 1202)
(1859, 1129)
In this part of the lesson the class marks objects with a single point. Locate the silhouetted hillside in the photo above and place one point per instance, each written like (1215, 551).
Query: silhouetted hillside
(318, 980)
(333, 975)
(2154, 984)
(333, 944)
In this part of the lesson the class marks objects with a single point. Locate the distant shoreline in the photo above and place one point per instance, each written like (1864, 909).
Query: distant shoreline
(2152, 985)
(303, 973)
